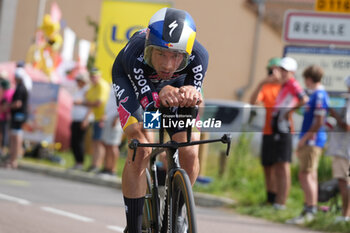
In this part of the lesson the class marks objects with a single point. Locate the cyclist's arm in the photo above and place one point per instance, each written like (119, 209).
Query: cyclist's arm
(197, 67)
(145, 91)
(136, 70)
(190, 93)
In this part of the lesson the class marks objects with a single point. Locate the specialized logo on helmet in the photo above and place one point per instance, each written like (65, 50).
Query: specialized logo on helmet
(173, 25)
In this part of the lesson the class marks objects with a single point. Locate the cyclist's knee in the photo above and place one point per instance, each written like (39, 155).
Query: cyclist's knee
(141, 160)
(189, 153)
(136, 131)
(189, 160)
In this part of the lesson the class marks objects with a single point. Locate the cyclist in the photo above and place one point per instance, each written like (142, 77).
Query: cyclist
(163, 64)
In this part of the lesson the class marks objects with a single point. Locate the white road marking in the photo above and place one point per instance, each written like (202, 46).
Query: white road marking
(116, 228)
(14, 199)
(67, 214)
(58, 212)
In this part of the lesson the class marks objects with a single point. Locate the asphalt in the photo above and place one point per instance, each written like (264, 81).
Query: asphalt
(201, 199)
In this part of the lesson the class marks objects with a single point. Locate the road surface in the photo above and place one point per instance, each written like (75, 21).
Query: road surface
(35, 203)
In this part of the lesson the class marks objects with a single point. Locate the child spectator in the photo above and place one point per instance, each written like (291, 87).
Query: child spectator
(313, 137)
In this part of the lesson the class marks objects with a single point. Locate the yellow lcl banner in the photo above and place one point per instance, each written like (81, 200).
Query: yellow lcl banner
(340, 6)
(119, 21)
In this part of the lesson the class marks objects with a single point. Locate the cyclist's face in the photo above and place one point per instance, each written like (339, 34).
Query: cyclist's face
(166, 62)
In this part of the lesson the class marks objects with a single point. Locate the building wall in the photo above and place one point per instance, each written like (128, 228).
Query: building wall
(74, 14)
(25, 26)
(226, 28)
(7, 19)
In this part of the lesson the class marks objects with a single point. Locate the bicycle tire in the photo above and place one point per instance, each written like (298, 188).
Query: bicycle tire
(181, 187)
(148, 216)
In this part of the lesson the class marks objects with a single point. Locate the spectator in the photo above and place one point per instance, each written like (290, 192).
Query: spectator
(96, 99)
(339, 148)
(290, 97)
(111, 136)
(78, 126)
(6, 94)
(266, 93)
(18, 117)
(313, 137)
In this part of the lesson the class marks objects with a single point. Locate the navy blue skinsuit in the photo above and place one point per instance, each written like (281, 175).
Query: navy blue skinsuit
(136, 85)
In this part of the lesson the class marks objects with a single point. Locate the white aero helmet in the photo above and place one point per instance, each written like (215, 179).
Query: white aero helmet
(170, 29)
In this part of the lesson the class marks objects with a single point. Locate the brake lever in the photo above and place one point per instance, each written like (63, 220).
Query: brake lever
(133, 145)
(226, 138)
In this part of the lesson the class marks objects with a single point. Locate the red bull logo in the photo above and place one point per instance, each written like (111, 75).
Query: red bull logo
(169, 45)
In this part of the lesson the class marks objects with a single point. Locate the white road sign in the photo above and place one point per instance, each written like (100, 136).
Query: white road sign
(335, 63)
(309, 27)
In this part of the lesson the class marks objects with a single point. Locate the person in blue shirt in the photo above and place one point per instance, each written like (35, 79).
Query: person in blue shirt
(313, 137)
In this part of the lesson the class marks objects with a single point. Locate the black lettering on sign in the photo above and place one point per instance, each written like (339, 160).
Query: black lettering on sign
(297, 26)
(316, 28)
(341, 64)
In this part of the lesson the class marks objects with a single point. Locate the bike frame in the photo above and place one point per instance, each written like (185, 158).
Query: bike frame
(172, 152)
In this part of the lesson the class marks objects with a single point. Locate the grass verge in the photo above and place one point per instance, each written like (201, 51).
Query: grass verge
(243, 181)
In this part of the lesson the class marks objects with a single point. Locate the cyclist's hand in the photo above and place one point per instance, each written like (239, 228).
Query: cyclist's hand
(170, 96)
(191, 97)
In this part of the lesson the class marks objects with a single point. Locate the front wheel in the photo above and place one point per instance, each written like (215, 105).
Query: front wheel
(183, 215)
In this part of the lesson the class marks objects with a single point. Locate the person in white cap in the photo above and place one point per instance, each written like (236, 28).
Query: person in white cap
(339, 148)
(78, 126)
(290, 97)
(27, 80)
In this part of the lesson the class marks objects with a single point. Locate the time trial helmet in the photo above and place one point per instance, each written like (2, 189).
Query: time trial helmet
(170, 29)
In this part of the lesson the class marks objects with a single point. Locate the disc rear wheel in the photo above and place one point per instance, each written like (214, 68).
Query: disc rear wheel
(183, 215)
